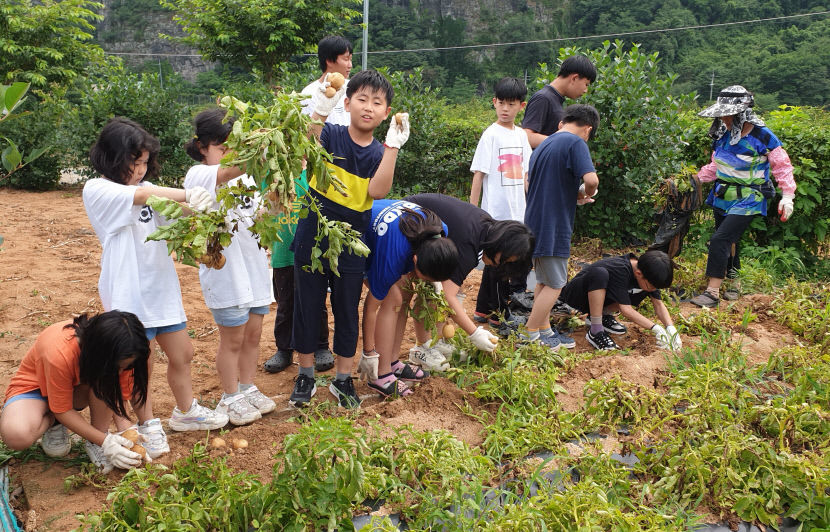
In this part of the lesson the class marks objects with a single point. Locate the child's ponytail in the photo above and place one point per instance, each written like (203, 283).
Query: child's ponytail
(210, 128)
(437, 254)
(106, 341)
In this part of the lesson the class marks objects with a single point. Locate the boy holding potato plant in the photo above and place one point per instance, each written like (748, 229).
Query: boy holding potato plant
(366, 168)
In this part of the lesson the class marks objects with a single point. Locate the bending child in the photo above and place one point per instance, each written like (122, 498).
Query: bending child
(366, 167)
(139, 276)
(620, 284)
(505, 245)
(238, 294)
(92, 361)
(407, 242)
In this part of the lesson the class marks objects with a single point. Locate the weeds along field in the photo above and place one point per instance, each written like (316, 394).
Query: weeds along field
(734, 427)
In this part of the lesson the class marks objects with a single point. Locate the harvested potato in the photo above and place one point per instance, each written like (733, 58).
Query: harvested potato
(448, 331)
(337, 80)
(218, 443)
(220, 262)
(131, 434)
(239, 443)
(399, 118)
(330, 92)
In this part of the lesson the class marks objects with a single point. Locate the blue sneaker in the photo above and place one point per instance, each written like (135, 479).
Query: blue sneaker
(566, 341)
(551, 342)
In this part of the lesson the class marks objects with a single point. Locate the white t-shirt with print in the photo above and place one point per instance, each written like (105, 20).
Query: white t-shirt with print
(245, 280)
(136, 276)
(503, 155)
(338, 116)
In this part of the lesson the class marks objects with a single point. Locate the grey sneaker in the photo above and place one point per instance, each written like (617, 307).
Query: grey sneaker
(155, 438)
(705, 300)
(97, 457)
(552, 342)
(197, 417)
(732, 290)
(237, 409)
(55, 441)
(259, 400)
(564, 340)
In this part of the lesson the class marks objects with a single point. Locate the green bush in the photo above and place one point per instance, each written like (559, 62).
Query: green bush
(34, 126)
(142, 98)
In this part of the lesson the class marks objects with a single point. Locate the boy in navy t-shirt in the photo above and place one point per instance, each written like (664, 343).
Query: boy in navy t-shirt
(561, 176)
(366, 168)
(620, 284)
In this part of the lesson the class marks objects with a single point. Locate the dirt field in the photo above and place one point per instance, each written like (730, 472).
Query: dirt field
(49, 267)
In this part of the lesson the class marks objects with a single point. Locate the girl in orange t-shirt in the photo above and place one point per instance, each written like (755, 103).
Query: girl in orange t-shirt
(97, 362)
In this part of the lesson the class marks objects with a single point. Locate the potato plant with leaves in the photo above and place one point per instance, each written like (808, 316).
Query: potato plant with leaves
(429, 307)
(273, 145)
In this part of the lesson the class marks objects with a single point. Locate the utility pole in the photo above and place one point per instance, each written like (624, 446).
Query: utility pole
(365, 34)
(711, 85)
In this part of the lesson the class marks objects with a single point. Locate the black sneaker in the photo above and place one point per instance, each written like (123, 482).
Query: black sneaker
(278, 361)
(304, 390)
(601, 341)
(612, 326)
(345, 393)
(323, 360)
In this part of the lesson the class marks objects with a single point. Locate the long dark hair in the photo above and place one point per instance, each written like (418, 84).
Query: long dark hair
(513, 240)
(119, 145)
(437, 255)
(211, 128)
(106, 340)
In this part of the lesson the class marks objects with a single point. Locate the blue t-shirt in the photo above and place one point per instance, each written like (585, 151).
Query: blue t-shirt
(355, 165)
(391, 253)
(556, 169)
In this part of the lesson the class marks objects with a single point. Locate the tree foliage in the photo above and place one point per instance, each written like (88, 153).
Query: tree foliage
(259, 35)
(47, 42)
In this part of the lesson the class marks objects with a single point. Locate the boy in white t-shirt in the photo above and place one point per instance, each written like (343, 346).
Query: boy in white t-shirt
(335, 55)
(499, 167)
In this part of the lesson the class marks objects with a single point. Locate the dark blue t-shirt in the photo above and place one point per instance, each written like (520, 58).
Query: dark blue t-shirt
(391, 255)
(556, 169)
(355, 165)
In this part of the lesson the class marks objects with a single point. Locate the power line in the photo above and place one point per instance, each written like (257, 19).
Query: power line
(558, 39)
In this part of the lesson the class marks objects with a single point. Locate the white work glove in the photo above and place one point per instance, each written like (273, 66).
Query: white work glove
(117, 450)
(198, 199)
(785, 207)
(439, 287)
(367, 368)
(583, 201)
(484, 339)
(398, 133)
(663, 338)
(676, 342)
(322, 104)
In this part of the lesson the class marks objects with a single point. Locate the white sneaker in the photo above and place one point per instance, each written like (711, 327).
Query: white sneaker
(197, 417)
(96, 456)
(155, 438)
(55, 441)
(237, 409)
(259, 400)
(428, 358)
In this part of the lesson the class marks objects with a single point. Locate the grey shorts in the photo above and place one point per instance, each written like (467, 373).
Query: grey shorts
(551, 271)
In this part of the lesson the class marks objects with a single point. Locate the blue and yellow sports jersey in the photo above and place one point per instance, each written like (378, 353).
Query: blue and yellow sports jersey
(741, 170)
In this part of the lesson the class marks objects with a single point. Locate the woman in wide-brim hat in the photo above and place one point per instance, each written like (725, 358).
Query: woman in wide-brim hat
(744, 154)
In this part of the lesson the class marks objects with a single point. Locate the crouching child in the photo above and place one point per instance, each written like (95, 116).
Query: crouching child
(620, 284)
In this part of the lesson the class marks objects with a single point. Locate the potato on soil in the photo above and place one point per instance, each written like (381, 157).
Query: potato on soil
(131, 434)
(218, 443)
(239, 443)
(337, 80)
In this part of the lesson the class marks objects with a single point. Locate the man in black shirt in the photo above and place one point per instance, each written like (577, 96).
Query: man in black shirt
(620, 284)
(544, 111)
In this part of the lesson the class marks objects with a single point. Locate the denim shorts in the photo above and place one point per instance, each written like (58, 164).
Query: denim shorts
(551, 271)
(34, 394)
(152, 332)
(236, 316)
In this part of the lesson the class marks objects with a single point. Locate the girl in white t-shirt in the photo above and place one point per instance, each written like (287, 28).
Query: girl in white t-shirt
(238, 294)
(139, 276)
